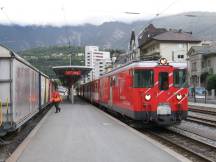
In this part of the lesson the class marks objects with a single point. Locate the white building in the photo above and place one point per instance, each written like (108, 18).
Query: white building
(99, 60)
(155, 43)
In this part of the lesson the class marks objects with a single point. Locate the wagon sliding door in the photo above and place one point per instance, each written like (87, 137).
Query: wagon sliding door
(5, 89)
(25, 92)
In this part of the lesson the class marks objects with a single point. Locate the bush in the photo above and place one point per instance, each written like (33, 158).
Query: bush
(211, 82)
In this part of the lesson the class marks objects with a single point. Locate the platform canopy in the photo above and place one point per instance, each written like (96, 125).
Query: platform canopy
(69, 75)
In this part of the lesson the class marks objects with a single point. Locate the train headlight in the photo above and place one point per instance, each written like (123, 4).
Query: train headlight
(148, 97)
(163, 61)
(179, 96)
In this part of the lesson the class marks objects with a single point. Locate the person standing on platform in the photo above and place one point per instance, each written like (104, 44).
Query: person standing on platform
(56, 99)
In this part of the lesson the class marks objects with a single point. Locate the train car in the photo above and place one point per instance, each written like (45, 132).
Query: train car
(147, 91)
(51, 89)
(20, 91)
(87, 92)
(45, 87)
(95, 91)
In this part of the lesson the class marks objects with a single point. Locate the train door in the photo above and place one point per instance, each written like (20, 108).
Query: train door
(6, 98)
(164, 78)
(111, 93)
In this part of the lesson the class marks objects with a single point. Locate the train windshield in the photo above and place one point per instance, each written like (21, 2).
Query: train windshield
(143, 78)
(180, 78)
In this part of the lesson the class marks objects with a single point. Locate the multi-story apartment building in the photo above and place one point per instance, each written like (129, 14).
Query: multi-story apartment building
(97, 59)
(155, 43)
(202, 61)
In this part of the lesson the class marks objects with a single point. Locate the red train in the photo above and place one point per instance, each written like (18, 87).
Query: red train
(148, 91)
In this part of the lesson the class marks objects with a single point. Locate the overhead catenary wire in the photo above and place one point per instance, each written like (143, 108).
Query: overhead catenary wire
(157, 15)
(6, 15)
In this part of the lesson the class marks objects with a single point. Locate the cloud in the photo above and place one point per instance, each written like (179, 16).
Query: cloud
(73, 12)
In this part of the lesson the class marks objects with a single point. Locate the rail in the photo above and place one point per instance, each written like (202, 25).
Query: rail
(200, 150)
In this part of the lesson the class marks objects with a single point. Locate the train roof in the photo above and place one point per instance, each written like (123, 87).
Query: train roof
(8, 53)
(135, 64)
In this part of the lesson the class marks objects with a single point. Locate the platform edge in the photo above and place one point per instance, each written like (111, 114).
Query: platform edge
(154, 142)
(21, 148)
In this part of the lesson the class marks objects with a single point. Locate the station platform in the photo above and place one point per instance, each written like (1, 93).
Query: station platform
(83, 133)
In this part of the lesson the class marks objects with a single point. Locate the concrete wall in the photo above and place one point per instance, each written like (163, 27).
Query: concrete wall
(212, 65)
(171, 51)
(198, 60)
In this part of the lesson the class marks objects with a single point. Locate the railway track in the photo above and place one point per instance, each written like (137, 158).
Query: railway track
(201, 147)
(193, 146)
(200, 151)
(201, 120)
(203, 110)
(4, 142)
(202, 115)
(10, 142)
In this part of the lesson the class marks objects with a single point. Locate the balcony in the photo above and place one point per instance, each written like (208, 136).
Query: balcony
(153, 54)
(208, 70)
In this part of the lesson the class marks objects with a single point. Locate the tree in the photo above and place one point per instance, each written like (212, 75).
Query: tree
(211, 82)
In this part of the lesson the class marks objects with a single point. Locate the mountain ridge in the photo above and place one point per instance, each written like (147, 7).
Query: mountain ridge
(107, 35)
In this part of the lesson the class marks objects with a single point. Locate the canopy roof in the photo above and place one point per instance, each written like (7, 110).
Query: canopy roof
(69, 75)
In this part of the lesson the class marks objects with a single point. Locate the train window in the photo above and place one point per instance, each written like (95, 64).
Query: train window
(143, 78)
(163, 81)
(180, 78)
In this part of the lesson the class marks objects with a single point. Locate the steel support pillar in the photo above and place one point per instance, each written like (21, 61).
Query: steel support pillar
(72, 94)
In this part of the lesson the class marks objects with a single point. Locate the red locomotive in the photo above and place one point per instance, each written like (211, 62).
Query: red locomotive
(148, 91)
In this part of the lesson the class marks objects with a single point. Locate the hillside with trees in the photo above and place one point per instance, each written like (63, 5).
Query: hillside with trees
(44, 58)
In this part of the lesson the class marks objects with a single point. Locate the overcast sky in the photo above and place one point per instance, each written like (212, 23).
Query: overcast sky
(76, 12)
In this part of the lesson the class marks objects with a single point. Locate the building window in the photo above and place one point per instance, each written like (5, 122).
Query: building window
(180, 56)
(194, 68)
(209, 63)
(203, 64)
